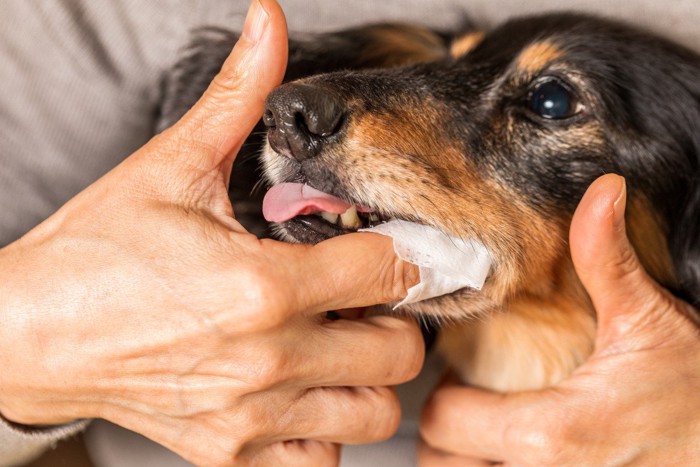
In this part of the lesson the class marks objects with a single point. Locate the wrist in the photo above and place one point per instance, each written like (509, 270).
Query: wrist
(34, 382)
(12, 336)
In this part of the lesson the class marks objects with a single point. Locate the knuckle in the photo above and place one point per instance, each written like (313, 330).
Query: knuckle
(233, 77)
(271, 368)
(397, 277)
(264, 295)
(222, 453)
(219, 459)
(626, 261)
(537, 443)
(297, 453)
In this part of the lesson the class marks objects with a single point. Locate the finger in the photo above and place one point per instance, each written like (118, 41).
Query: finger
(479, 424)
(215, 128)
(375, 351)
(606, 263)
(431, 457)
(344, 272)
(465, 422)
(296, 453)
(345, 415)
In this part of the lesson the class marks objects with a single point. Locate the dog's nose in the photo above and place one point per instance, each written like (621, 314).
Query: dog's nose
(301, 118)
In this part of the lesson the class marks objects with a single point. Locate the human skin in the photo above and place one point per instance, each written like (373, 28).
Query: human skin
(144, 302)
(634, 402)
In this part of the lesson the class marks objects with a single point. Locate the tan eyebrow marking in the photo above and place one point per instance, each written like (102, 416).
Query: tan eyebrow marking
(465, 44)
(537, 56)
(403, 45)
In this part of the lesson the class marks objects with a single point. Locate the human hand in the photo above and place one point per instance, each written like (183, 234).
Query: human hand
(634, 402)
(144, 302)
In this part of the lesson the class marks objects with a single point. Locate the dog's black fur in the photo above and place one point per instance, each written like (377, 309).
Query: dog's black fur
(508, 176)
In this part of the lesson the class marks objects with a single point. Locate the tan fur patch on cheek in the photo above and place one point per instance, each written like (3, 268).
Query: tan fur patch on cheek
(395, 160)
(537, 56)
(404, 163)
(530, 246)
(404, 157)
(466, 44)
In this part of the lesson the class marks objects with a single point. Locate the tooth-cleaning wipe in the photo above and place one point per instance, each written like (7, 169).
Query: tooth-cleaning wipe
(446, 263)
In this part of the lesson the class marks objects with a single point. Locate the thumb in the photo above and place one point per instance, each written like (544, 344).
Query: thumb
(218, 124)
(627, 301)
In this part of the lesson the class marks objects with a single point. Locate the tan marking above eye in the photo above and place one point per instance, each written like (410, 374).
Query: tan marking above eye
(537, 56)
(465, 44)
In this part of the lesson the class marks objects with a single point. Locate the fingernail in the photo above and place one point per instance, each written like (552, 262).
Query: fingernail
(255, 22)
(619, 204)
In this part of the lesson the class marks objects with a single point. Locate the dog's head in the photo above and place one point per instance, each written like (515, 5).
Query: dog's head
(498, 140)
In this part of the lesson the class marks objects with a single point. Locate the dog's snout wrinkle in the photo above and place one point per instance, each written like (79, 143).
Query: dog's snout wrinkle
(302, 118)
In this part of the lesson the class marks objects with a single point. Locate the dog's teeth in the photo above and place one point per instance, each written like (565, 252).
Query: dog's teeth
(373, 217)
(349, 219)
(329, 216)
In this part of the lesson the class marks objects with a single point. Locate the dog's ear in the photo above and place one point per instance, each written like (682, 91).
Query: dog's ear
(659, 154)
(196, 67)
(685, 239)
(687, 247)
(374, 46)
(684, 185)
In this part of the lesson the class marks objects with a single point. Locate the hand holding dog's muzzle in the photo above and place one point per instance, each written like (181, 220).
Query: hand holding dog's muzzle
(144, 302)
(634, 402)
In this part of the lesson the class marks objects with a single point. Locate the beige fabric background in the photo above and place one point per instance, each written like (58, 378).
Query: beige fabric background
(79, 86)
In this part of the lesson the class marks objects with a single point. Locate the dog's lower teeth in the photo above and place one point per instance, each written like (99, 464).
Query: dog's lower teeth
(329, 217)
(373, 217)
(349, 219)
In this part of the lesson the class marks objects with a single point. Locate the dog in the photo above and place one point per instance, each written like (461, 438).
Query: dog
(487, 135)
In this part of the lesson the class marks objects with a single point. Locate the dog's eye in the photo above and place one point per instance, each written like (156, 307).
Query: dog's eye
(552, 99)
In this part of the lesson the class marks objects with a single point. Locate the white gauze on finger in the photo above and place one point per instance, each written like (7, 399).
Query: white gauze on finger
(446, 263)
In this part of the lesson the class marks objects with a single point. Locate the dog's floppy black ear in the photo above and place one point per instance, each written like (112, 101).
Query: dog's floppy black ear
(661, 157)
(685, 221)
(687, 247)
(374, 46)
(187, 80)
(686, 234)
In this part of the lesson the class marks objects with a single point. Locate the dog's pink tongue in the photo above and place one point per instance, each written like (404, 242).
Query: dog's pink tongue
(287, 200)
